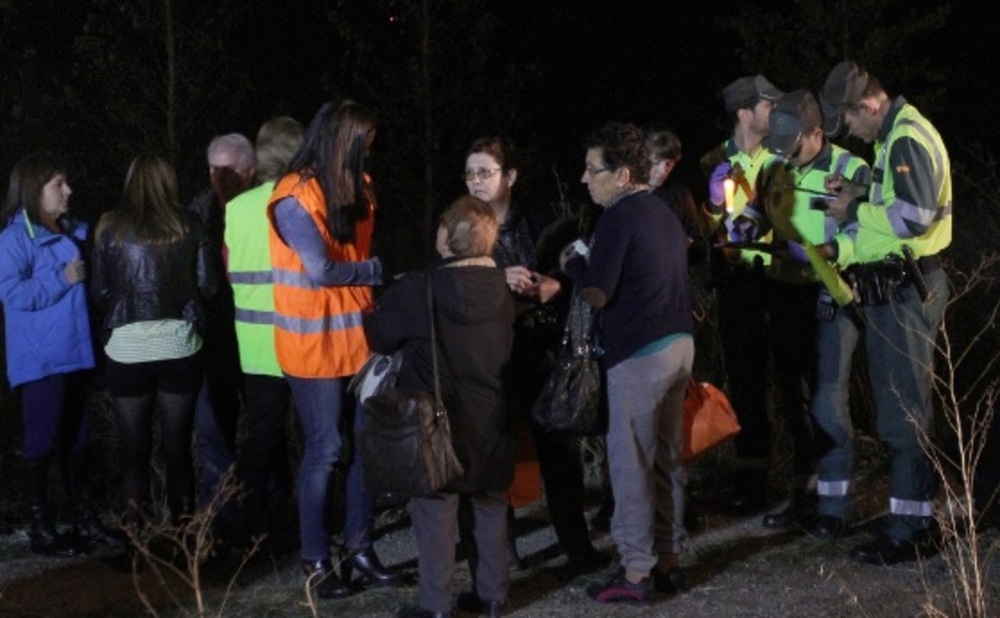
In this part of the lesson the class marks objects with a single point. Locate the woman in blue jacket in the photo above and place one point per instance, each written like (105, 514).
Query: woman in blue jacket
(48, 343)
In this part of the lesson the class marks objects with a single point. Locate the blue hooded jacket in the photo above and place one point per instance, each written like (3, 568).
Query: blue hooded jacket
(46, 320)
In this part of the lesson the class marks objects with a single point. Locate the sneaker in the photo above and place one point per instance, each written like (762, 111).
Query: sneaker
(618, 589)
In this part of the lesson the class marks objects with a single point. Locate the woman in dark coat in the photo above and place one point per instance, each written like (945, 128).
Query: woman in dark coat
(474, 313)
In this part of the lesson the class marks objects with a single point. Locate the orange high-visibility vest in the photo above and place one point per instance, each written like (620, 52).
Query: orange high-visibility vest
(317, 330)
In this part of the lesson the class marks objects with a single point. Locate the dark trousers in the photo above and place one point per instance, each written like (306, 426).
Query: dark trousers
(262, 463)
(218, 409)
(435, 524)
(743, 329)
(791, 313)
(562, 475)
(56, 415)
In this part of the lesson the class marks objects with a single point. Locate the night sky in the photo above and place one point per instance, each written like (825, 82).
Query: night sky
(639, 60)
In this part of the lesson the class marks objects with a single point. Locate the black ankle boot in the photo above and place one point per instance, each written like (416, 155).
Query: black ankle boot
(366, 563)
(321, 578)
(88, 530)
(91, 532)
(45, 539)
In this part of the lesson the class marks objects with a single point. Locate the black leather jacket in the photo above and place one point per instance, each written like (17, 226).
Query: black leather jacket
(133, 282)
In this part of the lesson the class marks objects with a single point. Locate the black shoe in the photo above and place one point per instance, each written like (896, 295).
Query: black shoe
(670, 582)
(366, 563)
(324, 581)
(91, 533)
(829, 527)
(415, 611)
(888, 551)
(587, 561)
(470, 603)
(601, 521)
(45, 539)
(800, 513)
(694, 520)
(743, 503)
(618, 589)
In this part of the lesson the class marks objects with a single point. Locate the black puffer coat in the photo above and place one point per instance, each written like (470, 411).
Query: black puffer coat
(475, 316)
(135, 282)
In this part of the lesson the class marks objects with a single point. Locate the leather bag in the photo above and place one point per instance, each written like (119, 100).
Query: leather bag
(572, 400)
(709, 419)
(406, 444)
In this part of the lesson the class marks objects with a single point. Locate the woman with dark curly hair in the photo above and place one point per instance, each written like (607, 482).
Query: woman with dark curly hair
(636, 272)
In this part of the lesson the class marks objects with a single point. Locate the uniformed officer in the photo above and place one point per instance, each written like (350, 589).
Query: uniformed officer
(743, 324)
(903, 223)
(794, 200)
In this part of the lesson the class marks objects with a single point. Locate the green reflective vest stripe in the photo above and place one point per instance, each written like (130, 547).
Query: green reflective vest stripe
(249, 267)
(807, 186)
(885, 221)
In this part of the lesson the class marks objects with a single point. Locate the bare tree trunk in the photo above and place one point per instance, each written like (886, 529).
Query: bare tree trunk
(172, 148)
(428, 112)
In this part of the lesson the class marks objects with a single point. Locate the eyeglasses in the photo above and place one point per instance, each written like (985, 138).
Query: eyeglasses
(481, 173)
(594, 171)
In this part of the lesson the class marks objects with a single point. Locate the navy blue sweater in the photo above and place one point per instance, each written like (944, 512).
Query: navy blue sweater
(638, 263)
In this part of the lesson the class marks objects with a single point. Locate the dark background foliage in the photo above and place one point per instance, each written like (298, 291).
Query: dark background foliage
(102, 80)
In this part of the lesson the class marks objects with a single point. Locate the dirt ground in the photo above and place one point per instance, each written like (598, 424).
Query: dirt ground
(734, 568)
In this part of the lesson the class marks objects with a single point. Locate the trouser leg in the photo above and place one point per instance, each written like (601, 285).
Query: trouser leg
(317, 402)
(262, 450)
(490, 531)
(562, 476)
(434, 526)
(639, 390)
(830, 411)
(743, 330)
(900, 340)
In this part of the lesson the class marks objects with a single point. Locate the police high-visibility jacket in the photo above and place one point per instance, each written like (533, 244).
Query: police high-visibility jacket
(791, 205)
(746, 169)
(249, 266)
(910, 198)
(317, 329)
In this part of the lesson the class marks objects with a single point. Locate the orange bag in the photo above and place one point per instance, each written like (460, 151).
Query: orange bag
(709, 419)
(527, 485)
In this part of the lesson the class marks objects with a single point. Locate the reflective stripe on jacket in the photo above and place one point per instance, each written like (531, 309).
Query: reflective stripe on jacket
(247, 239)
(910, 199)
(317, 330)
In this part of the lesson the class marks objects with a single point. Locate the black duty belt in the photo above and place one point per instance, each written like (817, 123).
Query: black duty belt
(877, 283)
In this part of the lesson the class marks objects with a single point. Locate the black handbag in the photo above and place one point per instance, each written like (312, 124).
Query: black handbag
(572, 400)
(406, 444)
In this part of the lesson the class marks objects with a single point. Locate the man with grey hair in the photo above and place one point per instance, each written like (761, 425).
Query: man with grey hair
(231, 166)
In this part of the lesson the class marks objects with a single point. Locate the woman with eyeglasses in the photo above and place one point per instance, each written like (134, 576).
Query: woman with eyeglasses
(636, 273)
(490, 174)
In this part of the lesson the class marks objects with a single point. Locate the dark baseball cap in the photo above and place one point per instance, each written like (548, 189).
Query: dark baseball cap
(745, 89)
(792, 117)
(843, 88)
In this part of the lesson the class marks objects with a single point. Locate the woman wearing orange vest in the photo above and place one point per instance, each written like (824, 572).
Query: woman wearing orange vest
(322, 215)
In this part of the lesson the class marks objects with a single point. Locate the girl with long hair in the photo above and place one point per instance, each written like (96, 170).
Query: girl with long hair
(322, 218)
(151, 274)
